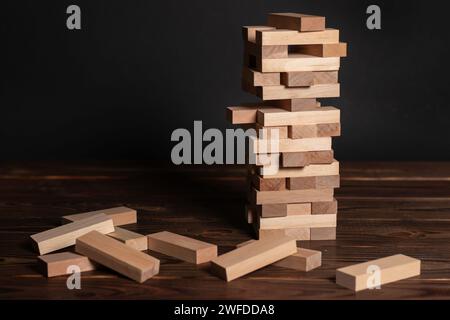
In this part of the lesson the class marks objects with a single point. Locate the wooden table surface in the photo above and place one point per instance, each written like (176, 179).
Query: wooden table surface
(384, 209)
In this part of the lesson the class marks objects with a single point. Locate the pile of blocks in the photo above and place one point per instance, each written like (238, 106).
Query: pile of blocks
(288, 64)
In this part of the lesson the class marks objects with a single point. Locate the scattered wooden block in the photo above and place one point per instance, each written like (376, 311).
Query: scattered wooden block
(181, 247)
(297, 62)
(65, 235)
(328, 207)
(319, 182)
(117, 256)
(298, 209)
(249, 32)
(290, 145)
(252, 257)
(393, 268)
(266, 52)
(119, 215)
(57, 264)
(302, 159)
(271, 117)
(130, 238)
(296, 21)
(322, 50)
(298, 221)
(262, 184)
(296, 104)
(315, 91)
(276, 37)
(299, 234)
(314, 131)
(256, 78)
(291, 196)
(328, 233)
(312, 170)
(308, 78)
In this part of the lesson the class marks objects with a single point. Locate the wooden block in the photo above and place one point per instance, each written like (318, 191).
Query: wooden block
(252, 257)
(119, 215)
(314, 131)
(130, 238)
(312, 170)
(242, 114)
(256, 78)
(57, 264)
(265, 52)
(117, 256)
(319, 182)
(298, 62)
(271, 117)
(321, 157)
(291, 196)
(296, 21)
(276, 37)
(303, 159)
(290, 145)
(272, 210)
(298, 209)
(269, 132)
(322, 50)
(327, 207)
(249, 32)
(181, 247)
(262, 184)
(296, 104)
(323, 233)
(65, 235)
(298, 221)
(316, 91)
(393, 268)
(299, 234)
(308, 78)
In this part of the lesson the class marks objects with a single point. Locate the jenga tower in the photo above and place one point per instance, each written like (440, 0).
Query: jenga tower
(289, 64)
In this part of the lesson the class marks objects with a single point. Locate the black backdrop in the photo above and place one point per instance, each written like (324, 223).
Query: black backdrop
(139, 69)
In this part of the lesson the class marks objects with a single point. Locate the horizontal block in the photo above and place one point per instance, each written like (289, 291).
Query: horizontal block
(252, 257)
(302, 159)
(290, 145)
(249, 32)
(291, 196)
(130, 238)
(307, 78)
(299, 234)
(256, 78)
(386, 270)
(274, 37)
(57, 264)
(271, 132)
(270, 117)
(315, 91)
(323, 233)
(117, 256)
(296, 104)
(298, 62)
(314, 131)
(322, 50)
(327, 207)
(296, 209)
(262, 184)
(242, 114)
(181, 247)
(283, 209)
(312, 170)
(296, 21)
(298, 221)
(65, 235)
(265, 52)
(318, 182)
(119, 215)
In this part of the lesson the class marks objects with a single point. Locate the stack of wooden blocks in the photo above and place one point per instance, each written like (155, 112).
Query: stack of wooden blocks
(289, 64)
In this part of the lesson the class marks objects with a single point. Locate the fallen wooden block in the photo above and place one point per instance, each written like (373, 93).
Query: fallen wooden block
(298, 221)
(299, 234)
(271, 117)
(296, 104)
(296, 62)
(318, 182)
(119, 215)
(256, 78)
(276, 37)
(57, 264)
(252, 257)
(291, 196)
(312, 170)
(327, 207)
(314, 131)
(265, 146)
(303, 159)
(385, 270)
(307, 78)
(327, 233)
(265, 52)
(130, 238)
(249, 32)
(117, 256)
(65, 235)
(181, 247)
(322, 50)
(296, 21)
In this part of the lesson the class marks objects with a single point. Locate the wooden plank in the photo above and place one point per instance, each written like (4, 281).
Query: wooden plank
(298, 221)
(57, 264)
(277, 37)
(318, 182)
(327, 207)
(249, 32)
(322, 50)
(252, 257)
(265, 52)
(296, 21)
(130, 238)
(302, 159)
(290, 145)
(271, 117)
(181, 247)
(296, 104)
(308, 78)
(65, 235)
(291, 196)
(119, 215)
(314, 131)
(323, 233)
(117, 256)
(256, 78)
(262, 184)
(316, 91)
(312, 170)
(296, 62)
(269, 132)
(393, 268)
(299, 234)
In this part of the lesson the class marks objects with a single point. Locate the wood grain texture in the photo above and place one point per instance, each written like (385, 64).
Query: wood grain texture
(274, 37)
(296, 21)
(317, 182)
(323, 50)
(315, 91)
(265, 52)
(279, 117)
(130, 238)
(326, 233)
(296, 104)
(291, 196)
(298, 221)
(308, 78)
(265, 146)
(299, 234)
(312, 170)
(256, 78)
(119, 215)
(302, 159)
(297, 62)
(261, 184)
(57, 264)
(314, 131)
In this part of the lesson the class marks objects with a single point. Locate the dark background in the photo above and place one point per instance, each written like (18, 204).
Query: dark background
(140, 69)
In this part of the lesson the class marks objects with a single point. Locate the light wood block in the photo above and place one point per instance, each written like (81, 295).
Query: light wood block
(314, 131)
(316, 91)
(272, 117)
(65, 235)
(392, 268)
(291, 196)
(262, 184)
(119, 215)
(117, 256)
(269, 132)
(256, 78)
(328, 207)
(276, 37)
(296, 21)
(296, 104)
(242, 114)
(308, 78)
(323, 233)
(272, 210)
(290, 145)
(252, 257)
(299, 234)
(265, 52)
(318, 182)
(323, 50)
(298, 221)
(296, 62)
(57, 264)
(302, 159)
(249, 32)
(181, 247)
(130, 238)
(298, 209)
(312, 170)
